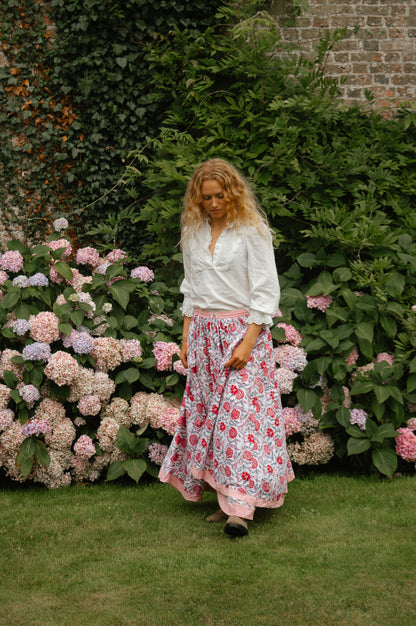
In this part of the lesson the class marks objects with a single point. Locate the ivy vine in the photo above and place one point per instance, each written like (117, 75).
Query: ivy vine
(75, 98)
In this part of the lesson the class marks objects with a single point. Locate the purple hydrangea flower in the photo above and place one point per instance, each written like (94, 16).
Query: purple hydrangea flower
(38, 280)
(20, 327)
(36, 427)
(37, 351)
(60, 224)
(29, 393)
(83, 344)
(21, 281)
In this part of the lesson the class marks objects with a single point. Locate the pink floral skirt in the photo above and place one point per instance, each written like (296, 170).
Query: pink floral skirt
(230, 436)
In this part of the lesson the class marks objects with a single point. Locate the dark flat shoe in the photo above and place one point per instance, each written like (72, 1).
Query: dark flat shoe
(236, 527)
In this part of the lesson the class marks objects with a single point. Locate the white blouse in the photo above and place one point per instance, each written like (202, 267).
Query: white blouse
(241, 274)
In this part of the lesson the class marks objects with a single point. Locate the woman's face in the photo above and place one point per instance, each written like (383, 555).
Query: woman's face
(213, 200)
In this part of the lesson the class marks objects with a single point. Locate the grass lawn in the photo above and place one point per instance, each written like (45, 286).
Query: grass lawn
(341, 551)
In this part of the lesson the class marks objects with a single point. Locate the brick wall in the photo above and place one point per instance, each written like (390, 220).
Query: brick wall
(378, 52)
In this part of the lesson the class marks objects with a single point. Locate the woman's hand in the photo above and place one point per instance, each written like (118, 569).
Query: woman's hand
(240, 356)
(241, 353)
(183, 354)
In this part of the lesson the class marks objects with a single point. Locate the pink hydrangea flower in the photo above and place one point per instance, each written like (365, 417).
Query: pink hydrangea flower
(385, 356)
(293, 336)
(44, 327)
(292, 424)
(284, 379)
(89, 405)
(130, 349)
(29, 393)
(157, 452)
(291, 357)
(143, 273)
(318, 302)
(169, 420)
(164, 352)
(352, 357)
(6, 418)
(88, 256)
(411, 423)
(179, 368)
(12, 261)
(107, 353)
(406, 444)
(116, 255)
(3, 277)
(359, 417)
(62, 368)
(61, 243)
(84, 447)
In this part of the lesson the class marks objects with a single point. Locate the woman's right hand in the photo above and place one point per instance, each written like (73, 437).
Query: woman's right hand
(183, 355)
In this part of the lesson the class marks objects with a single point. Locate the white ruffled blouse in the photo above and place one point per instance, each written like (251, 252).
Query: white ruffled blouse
(241, 274)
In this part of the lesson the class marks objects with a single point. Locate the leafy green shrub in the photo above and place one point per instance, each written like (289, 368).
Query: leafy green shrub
(338, 184)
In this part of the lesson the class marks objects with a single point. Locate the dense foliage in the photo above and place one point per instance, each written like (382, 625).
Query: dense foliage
(338, 185)
(75, 99)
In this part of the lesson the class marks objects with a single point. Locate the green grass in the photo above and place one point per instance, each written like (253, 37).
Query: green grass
(340, 551)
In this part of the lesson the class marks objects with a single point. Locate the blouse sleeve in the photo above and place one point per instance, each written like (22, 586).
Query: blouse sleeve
(187, 307)
(264, 286)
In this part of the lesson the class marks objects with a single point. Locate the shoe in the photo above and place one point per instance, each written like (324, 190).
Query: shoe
(216, 517)
(236, 526)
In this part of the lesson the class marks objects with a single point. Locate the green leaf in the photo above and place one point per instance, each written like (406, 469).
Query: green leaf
(121, 290)
(64, 270)
(307, 398)
(307, 259)
(389, 325)
(130, 322)
(361, 387)
(411, 383)
(385, 460)
(387, 431)
(342, 275)
(357, 446)
(129, 375)
(65, 328)
(172, 379)
(10, 379)
(36, 376)
(115, 470)
(382, 393)
(77, 317)
(135, 468)
(343, 417)
(365, 331)
(41, 453)
(10, 300)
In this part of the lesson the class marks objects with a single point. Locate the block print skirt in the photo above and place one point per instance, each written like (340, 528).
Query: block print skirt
(230, 436)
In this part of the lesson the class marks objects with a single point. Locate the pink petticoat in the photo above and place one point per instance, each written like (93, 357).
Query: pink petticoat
(230, 437)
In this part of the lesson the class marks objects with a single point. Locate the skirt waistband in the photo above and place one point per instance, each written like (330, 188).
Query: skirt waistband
(220, 314)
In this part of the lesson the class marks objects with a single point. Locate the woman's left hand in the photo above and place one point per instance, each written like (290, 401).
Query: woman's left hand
(240, 357)
(241, 353)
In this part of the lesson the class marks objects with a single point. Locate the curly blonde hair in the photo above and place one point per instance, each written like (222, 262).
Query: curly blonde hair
(241, 204)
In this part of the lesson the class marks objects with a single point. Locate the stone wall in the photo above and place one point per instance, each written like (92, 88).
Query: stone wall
(378, 52)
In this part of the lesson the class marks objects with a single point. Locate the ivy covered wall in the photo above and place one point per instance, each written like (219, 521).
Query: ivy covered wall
(74, 99)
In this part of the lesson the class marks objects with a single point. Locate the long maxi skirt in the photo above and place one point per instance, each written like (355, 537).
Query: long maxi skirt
(230, 436)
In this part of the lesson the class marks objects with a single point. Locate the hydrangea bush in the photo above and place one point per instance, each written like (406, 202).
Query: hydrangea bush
(91, 381)
(90, 384)
(349, 361)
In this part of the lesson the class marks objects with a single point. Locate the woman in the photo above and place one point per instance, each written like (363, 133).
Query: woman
(230, 437)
